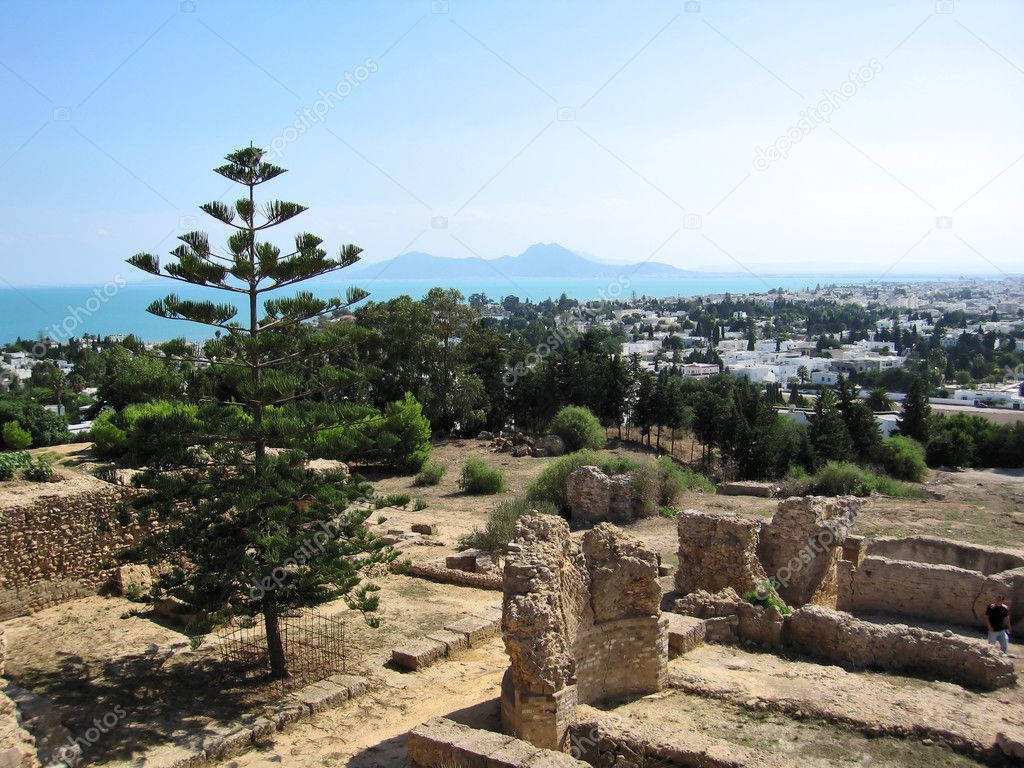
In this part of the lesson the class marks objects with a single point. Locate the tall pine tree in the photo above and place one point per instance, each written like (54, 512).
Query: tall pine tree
(247, 528)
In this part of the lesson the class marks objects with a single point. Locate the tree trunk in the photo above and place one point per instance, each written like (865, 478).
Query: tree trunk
(275, 648)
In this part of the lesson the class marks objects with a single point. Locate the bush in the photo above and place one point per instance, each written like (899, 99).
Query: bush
(578, 427)
(45, 427)
(392, 500)
(420, 504)
(40, 471)
(840, 478)
(662, 482)
(550, 484)
(16, 438)
(13, 461)
(431, 473)
(903, 458)
(398, 438)
(501, 525)
(479, 477)
(765, 595)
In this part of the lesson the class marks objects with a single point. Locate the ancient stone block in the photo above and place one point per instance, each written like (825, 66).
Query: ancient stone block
(587, 490)
(417, 654)
(717, 552)
(427, 529)
(473, 628)
(684, 633)
(747, 488)
(581, 623)
(134, 579)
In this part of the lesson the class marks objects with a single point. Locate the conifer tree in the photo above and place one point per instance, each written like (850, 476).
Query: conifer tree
(246, 526)
(828, 433)
(914, 420)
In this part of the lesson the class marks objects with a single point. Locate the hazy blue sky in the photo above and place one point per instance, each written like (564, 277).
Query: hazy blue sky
(615, 128)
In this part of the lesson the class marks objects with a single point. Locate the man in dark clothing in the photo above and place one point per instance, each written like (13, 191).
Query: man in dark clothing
(997, 617)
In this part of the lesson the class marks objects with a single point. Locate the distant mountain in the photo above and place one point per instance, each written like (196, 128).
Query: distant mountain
(539, 260)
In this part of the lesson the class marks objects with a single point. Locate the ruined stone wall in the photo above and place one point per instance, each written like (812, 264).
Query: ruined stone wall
(931, 549)
(800, 547)
(838, 637)
(581, 623)
(941, 593)
(797, 550)
(59, 547)
(717, 552)
(595, 497)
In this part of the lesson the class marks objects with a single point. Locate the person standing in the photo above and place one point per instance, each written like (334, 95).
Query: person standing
(997, 617)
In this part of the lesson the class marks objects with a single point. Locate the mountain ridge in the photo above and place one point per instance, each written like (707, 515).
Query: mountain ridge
(541, 260)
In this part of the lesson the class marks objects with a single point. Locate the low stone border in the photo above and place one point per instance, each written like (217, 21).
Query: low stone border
(455, 636)
(441, 741)
(994, 753)
(221, 742)
(684, 633)
(437, 571)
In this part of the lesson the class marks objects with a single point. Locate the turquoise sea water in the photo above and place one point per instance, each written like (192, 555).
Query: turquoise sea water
(64, 312)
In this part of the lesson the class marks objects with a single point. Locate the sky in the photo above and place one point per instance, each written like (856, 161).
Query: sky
(869, 137)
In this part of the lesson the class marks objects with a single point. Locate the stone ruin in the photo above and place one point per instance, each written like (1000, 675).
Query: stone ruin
(595, 497)
(581, 623)
(798, 550)
(804, 551)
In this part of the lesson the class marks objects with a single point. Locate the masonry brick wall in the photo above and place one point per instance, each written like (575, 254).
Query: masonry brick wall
(60, 547)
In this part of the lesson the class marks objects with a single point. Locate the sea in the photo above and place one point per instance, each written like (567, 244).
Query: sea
(117, 308)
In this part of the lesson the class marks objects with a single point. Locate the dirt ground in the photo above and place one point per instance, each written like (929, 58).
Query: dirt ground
(92, 654)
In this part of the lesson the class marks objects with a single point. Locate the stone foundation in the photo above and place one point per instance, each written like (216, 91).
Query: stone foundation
(443, 742)
(581, 624)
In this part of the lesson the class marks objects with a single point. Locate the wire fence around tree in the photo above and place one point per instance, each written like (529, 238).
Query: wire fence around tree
(314, 649)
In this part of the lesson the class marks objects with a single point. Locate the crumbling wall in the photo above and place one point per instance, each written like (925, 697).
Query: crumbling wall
(931, 549)
(581, 622)
(800, 546)
(717, 552)
(595, 497)
(60, 547)
(797, 550)
(942, 593)
(837, 637)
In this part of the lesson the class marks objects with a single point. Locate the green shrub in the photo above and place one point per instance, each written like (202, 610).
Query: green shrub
(392, 500)
(16, 438)
(903, 458)
(578, 427)
(839, 478)
(109, 441)
(420, 504)
(11, 462)
(40, 471)
(669, 512)
(765, 595)
(46, 428)
(661, 483)
(431, 473)
(398, 438)
(479, 477)
(501, 524)
(550, 483)
(796, 482)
